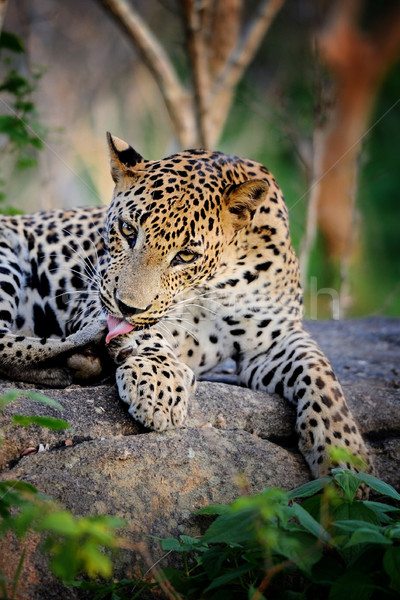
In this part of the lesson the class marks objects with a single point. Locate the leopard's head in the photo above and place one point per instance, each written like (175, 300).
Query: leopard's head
(167, 226)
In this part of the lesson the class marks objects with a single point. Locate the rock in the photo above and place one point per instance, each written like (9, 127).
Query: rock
(235, 441)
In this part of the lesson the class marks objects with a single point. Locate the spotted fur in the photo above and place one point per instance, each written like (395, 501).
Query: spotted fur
(193, 255)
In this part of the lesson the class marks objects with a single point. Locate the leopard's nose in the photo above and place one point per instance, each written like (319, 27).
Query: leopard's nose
(129, 311)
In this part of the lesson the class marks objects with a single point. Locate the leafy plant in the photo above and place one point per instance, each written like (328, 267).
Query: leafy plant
(319, 541)
(269, 546)
(25, 420)
(74, 544)
(21, 132)
(316, 542)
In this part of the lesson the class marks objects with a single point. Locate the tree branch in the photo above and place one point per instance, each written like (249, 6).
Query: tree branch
(248, 44)
(3, 9)
(194, 22)
(175, 95)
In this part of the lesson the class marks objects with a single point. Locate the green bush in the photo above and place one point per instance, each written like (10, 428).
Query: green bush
(75, 545)
(319, 541)
(271, 546)
(316, 542)
(22, 133)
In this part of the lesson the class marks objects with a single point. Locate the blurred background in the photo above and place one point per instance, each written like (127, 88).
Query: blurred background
(310, 88)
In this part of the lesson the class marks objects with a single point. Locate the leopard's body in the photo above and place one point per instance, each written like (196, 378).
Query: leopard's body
(193, 261)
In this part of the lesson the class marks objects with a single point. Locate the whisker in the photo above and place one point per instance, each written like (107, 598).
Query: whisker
(76, 292)
(166, 331)
(205, 296)
(185, 329)
(196, 305)
(79, 313)
(89, 267)
(92, 278)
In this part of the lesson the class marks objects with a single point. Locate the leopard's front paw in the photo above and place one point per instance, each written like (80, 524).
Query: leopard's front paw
(85, 366)
(157, 390)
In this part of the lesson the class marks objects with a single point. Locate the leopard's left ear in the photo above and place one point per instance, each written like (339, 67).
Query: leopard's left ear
(124, 158)
(243, 200)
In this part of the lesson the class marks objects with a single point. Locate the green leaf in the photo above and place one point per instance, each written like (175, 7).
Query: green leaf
(310, 488)
(171, 544)
(378, 485)
(60, 522)
(15, 84)
(354, 525)
(95, 562)
(342, 456)
(11, 126)
(222, 580)
(14, 395)
(26, 162)
(309, 523)
(365, 535)
(213, 559)
(36, 142)
(301, 548)
(393, 531)
(48, 422)
(64, 560)
(353, 585)
(20, 486)
(8, 397)
(391, 564)
(25, 518)
(17, 573)
(381, 510)
(231, 529)
(349, 483)
(355, 511)
(12, 42)
(25, 106)
(38, 397)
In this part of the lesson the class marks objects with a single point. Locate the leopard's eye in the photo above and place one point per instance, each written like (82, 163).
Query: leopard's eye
(184, 257)
(128, 231)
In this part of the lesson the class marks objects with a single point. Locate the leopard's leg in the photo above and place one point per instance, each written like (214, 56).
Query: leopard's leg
(294, 367)
(25, 358)
(152, 380)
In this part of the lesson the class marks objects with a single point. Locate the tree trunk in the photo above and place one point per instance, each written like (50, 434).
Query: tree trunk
(358, 62)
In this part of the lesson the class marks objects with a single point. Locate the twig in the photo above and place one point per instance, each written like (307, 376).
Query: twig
(247, 46)
(3, 9)
(221, 94)
(174, 93)
(268, 577)
(200, 68)
(166, 586)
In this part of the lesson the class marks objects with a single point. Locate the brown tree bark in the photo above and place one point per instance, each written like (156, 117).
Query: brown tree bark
(3, 9)
(358, 62)
(220, 48)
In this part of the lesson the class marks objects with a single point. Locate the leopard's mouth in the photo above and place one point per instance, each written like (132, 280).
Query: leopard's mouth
(117, 326)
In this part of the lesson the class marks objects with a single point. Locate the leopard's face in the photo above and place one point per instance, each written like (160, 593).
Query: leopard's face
(167, 227)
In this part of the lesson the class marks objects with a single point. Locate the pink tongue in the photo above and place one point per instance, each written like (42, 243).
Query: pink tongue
(117, 327)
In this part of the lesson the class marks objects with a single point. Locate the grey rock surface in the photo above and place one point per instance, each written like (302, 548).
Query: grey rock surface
(235, 440)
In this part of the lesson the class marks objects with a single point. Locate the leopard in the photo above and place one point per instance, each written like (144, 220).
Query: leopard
(190, 264)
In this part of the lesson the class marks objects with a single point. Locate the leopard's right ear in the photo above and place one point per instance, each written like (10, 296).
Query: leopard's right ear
(124, 159)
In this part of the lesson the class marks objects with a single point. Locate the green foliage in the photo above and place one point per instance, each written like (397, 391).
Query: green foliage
(23, 134)
(319, 538)
(26, 420)
(75, 545)
(271, 546)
